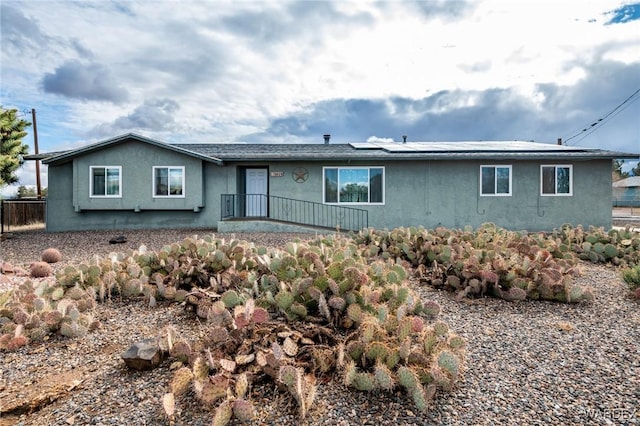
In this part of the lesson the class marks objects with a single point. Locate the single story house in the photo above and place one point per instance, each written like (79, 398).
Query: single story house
(134, 182)
(626, 192)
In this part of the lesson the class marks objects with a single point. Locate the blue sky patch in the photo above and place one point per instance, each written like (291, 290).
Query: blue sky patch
(626, 13)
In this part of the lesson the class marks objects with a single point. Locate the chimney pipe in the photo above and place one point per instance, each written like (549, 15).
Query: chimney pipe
(559, 141)
(326, 138)
(404, 138)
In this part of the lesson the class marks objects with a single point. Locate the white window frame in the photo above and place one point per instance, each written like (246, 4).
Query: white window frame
(556, 167)
(169, 168)
(495, 180)
(105, 168)
(344, 203)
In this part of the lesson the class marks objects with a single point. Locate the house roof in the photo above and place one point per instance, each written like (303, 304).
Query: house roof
(370, 151)
(59, 157)
(493, 150)
(630, 182)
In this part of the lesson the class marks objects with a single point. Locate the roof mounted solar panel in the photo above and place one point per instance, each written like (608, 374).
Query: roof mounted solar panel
(397, 147)
(364, 145)
(465, 147)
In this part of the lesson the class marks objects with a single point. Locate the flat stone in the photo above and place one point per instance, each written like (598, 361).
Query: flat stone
(6, 268)
(143, 355)
(120, 239)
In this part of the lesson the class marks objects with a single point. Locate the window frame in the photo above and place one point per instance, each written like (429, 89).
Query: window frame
(106, 185)
(154, 193)
(495, 180)
(556, 167)
(353, 203)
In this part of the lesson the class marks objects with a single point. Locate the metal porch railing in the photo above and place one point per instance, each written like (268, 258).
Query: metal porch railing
(261, 206)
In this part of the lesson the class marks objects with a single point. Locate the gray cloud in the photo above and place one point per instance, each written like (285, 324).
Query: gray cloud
(92, 82)
(298, 19)
(356, 119)
(188, 61)
(154, 115)
(495, 114)
(446, 9)
(266, 25)
(18, 32)
(22, 35)
(483, 66)
(184, 71)
(80, 49)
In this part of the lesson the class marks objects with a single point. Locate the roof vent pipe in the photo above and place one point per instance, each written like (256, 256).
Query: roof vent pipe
(404, 138)
(326, 138)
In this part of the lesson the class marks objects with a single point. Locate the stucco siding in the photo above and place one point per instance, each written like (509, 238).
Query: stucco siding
(70, 206)
(447, 193)
(60, 198)
(416, 193)
(137, 160)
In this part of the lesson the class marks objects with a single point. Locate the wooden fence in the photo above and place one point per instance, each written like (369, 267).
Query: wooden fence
(21, 213)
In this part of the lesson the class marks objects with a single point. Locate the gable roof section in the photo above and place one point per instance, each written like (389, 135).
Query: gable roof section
(397, 151)
(61, 157)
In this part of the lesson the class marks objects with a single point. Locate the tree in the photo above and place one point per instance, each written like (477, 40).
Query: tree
(636, 169)
(11, 147)
(617, 173)
(25, 192)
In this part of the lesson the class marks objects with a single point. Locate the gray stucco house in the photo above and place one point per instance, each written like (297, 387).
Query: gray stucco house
(133, 182)
(626, 192)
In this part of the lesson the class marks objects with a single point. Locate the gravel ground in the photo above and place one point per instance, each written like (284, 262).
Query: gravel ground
(528, 363)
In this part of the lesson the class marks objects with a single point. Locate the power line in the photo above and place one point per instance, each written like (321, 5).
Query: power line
(590, 128)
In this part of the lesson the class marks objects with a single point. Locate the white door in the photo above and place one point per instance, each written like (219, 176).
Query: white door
(256, 190)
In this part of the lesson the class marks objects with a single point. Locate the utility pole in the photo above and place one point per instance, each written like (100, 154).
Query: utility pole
(35, 145)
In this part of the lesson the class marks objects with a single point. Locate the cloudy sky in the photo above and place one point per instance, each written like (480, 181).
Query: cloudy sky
(288, 72)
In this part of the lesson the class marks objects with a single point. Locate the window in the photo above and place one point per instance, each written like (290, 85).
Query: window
(168, 181)
(354, 185)
(105, 181)
(556, 180)
(495, 180)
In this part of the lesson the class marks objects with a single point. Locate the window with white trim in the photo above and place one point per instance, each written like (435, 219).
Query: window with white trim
(556, 180)
(495, 180)
(105, 181)
(168, 181)
(353, 185)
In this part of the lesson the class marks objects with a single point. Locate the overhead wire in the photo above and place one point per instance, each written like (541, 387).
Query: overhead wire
(595, 125)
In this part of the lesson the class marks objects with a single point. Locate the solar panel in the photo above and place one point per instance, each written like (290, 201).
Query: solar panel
(466, 146)
(364, 145)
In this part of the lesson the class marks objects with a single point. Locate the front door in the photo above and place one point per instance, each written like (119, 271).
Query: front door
(256, 183)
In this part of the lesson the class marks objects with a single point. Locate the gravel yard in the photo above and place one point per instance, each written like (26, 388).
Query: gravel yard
(528, 363)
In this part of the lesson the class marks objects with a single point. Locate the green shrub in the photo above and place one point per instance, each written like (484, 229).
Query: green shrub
(632, 277)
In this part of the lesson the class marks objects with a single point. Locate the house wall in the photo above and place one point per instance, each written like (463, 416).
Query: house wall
(427, 193)
(446, 193)
(137, 160)
(69, 206)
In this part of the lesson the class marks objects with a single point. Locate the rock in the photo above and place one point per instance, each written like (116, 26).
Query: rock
(6, 236)
(6, 268)
(118, 240)
(143, 355)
